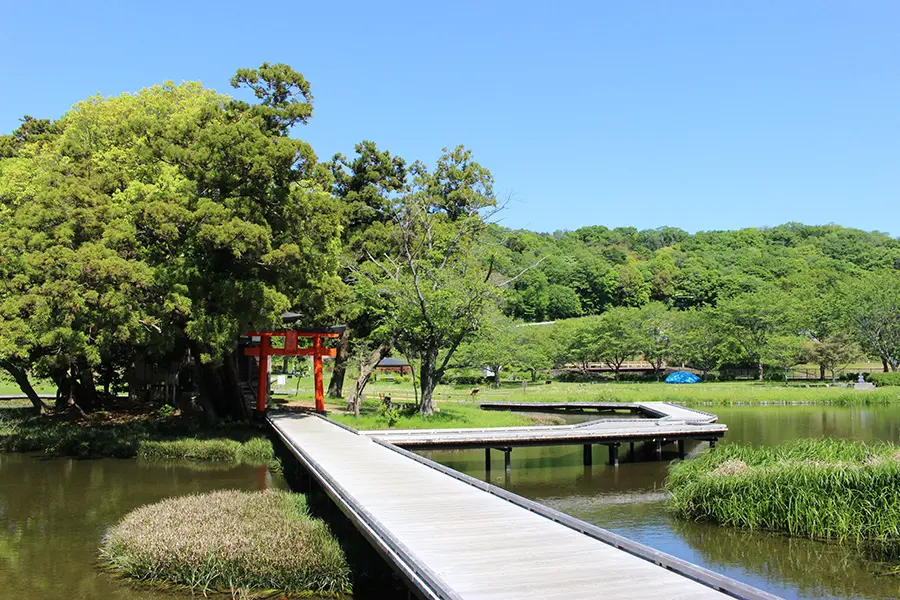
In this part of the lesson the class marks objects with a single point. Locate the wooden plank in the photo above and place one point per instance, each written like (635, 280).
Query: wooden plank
(461, 541)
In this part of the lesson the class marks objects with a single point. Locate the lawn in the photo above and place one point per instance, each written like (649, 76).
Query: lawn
(452, 415)
(739, 392)
(41, 386)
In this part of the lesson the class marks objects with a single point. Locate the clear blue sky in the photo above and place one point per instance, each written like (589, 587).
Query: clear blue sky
(701, 115)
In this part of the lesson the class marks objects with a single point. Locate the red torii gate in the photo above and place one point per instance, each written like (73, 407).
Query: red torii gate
(291, 336)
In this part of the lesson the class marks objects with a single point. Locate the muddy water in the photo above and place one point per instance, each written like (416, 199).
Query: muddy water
(629, 500)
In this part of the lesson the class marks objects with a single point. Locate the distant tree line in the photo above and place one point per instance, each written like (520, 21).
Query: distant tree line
(766, 329)
(154, 228)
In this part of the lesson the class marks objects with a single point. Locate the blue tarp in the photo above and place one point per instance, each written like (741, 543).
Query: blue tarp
(682, 377)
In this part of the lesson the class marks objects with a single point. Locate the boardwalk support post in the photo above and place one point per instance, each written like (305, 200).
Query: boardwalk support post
(506, 459)
(614, 454)
(681, 449)
(712, 442)
(587, 455)
(658, 449)
(487, 462)
(633, 457)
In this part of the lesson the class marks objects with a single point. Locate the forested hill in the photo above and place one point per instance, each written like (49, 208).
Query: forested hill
(593, 268)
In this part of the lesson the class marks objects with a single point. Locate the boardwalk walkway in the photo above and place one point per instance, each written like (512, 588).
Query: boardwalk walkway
(667, 423)
(455, 537)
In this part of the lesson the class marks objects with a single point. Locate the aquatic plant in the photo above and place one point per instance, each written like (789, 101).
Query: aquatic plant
(230, 541)
(143, 439)
(256, 451)
(817, 488)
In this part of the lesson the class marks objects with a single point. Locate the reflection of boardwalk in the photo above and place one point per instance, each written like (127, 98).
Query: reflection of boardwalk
(451, 536)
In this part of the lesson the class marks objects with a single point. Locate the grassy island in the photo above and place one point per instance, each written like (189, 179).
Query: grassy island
(247, 543)
(816, 488)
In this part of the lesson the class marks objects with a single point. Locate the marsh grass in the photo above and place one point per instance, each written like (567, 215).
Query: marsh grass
(823, 489)
(152, 439)
(245, 543)
(255, 451)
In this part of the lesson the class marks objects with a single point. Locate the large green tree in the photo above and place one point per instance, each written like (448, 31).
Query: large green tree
(435, 285)
(698, 340)
(752, 320)
(654, 335)
(366, 185)
(870, 305)
(160, 222)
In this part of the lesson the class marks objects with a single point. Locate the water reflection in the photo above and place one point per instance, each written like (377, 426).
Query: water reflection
(54, 512)
(629, 500)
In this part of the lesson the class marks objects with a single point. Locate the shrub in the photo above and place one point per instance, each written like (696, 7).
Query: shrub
(884, 379)
(230, 541)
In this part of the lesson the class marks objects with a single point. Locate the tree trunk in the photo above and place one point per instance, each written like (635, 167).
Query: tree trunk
(63, 382)
(85, 390)
(220, 393)
(496, 370)
(336, 385)
(428, 380)
(21, 378)
(822, 373)
(759, 369)
(884, 364)
(365, 372)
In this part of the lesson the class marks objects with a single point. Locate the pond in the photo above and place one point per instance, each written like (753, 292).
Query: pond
(54, 512)
(630, 501)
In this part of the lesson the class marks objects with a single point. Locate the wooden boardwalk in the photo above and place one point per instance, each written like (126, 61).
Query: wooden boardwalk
(667, 423)
(455, 537)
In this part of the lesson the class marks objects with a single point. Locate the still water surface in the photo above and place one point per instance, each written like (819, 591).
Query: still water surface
(629, 500)
(54, 513)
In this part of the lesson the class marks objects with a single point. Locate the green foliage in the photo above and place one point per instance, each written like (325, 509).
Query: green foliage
(870, 305)
(244, 543)
(823, 489)
(390, 414)
(166, 411)
(255, 451)
(614, 267)
(833, 352)
(154, 221)
(450, 416)
(752, 319)
(433, 289)
(698, 339)
(884, 379)
(143, 439)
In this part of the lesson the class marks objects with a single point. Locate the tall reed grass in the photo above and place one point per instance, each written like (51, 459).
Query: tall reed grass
(816, 488)
(245, 543)
(253, 451)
